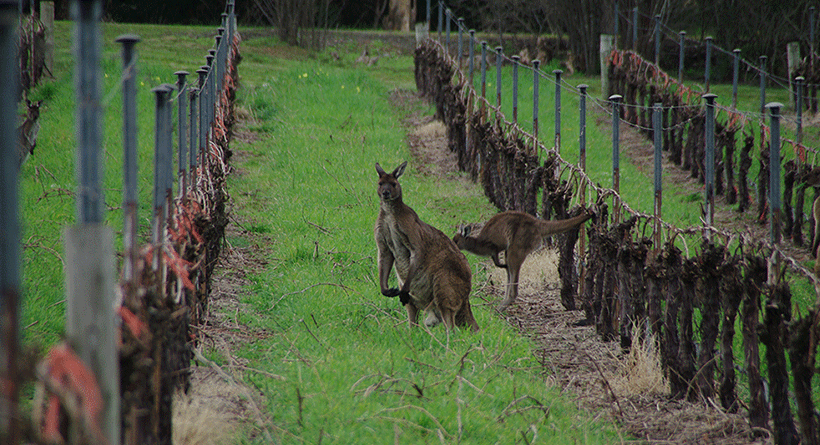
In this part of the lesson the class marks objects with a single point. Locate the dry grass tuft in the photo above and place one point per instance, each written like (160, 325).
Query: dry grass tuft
(640, 373)
(198, 421)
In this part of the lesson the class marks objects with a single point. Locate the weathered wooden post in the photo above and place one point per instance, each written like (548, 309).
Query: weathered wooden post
(605, 51)
(10, 427)
(89, 250)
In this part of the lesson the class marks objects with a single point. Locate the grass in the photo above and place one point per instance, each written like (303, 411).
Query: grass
(353, 372)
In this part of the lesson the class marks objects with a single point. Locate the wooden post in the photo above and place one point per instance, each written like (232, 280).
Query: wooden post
(90, 317)
(606, 49)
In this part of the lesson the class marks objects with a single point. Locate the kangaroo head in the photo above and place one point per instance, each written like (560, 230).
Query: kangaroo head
(463, 231)
(389, 187)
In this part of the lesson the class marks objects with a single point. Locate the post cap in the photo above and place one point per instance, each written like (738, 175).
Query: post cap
(774, 106)
(181, 73)
(763, 57)
(127, 38)
(536, 63)
(736, 50)
(709, 97)
(557, 72)
(498, 49)
(800, 78)
(161, 89)
(516, 57)
(484, 43)
(615, 97)
(682, 33)
(709, 38)
(583, 86)
(472, 31)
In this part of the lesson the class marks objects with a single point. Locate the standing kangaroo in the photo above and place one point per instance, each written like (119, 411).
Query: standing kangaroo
(433, 273)
(516, 234)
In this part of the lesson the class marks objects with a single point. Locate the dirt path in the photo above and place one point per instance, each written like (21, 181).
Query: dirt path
(627, 388)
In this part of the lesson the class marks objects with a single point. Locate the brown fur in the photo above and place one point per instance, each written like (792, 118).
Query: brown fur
(433, 273)
(516, 234)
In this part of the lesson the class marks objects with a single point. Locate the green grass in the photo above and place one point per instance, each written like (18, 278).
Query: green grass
(353, 372)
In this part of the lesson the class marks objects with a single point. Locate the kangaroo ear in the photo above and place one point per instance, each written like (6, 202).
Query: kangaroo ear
(380, 170)
(399, 170)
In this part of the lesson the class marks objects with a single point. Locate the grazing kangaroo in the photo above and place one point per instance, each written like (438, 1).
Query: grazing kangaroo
(433, 273)
(516, 234)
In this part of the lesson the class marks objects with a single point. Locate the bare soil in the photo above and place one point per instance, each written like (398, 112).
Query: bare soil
(597, 375)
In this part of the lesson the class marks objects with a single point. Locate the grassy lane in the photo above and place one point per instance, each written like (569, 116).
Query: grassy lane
(352, 370)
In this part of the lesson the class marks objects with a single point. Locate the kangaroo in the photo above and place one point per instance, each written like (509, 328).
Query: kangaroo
(433, 273)
(516, 234)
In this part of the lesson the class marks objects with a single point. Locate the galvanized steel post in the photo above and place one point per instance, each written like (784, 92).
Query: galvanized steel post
(658, 40)
(616, 170)
(657, 132)
(498, 59)
(460, 24)
(708, 71)
(447, 24)
(10, 428)
(799, 107)
(681, 53)
(202, 102)
(129, 151)
(762, 60)
(635, 29)
(161, 93)
(182, 132)
(735, 75)
(483, 78)
(557, 74)
(516, 60)
(472, 56)
(193, 140)
(709, 161)
(427, 17)
(440, 19)
(536, 75)
(774, 171)
(89, 251)
(582, 130)
(617, 24)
